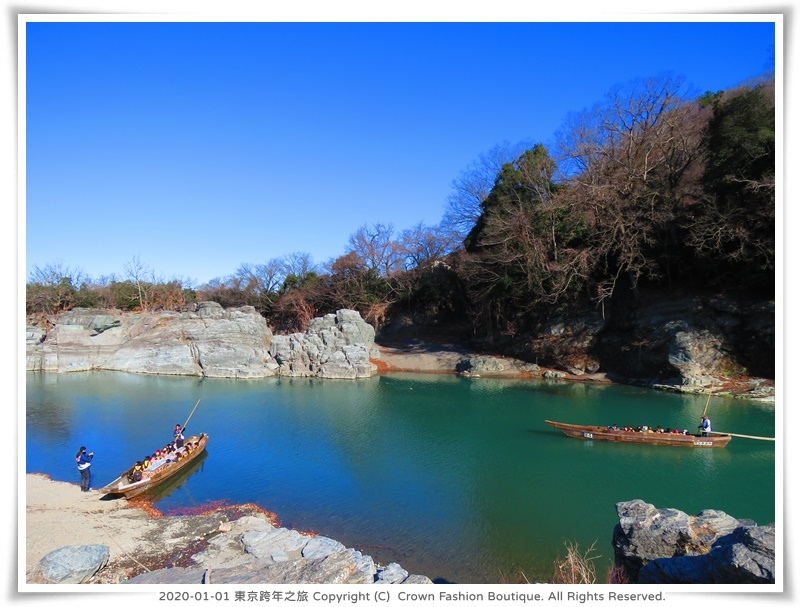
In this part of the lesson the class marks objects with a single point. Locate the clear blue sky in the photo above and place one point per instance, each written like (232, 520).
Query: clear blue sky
(200, 146)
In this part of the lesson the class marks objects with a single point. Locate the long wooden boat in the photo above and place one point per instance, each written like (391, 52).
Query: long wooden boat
(159, 470)
(644, 438)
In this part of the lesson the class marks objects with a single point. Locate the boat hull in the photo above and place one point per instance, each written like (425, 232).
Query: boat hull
(642, 438)
(121, 486)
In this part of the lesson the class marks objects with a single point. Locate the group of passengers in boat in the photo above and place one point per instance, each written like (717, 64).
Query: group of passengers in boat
(704, 427)
(649, 429)
(171, 452)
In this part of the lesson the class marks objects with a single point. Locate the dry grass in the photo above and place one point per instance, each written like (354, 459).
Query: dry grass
(617, 575)
(577, 567)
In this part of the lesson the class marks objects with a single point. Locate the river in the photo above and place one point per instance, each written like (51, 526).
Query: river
(454, 478)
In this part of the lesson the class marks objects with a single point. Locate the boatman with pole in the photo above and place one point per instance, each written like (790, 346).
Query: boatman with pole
(705, 426)
(179, 430)
(178, 433)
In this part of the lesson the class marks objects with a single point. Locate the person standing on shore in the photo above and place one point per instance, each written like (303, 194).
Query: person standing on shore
(84, 461)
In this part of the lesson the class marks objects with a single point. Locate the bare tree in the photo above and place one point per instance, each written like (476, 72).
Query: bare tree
(377, 248)
(261, 282)
(299, 264)
(142, 276)
(628, 160)
(473, 185)
(51, 288)
(422, 245)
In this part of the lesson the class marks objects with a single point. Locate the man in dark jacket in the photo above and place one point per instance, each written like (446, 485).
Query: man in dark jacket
(84, 461)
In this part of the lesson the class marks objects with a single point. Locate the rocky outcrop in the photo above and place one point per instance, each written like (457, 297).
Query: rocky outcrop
(668, 546)
(494, 366)
(251, 550)
(690, 345)
(205, 340)
(335, 346)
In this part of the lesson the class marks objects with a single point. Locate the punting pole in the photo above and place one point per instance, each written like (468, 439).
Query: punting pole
(186, 423)
(707, 401)
(745, 436)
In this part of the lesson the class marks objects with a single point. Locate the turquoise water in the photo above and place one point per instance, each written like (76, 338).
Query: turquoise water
(458, 479)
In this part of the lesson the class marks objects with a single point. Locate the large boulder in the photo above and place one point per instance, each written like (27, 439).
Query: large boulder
(668, 546)
(746, 556)
(276, 544)
(482, 365)
(72, 564)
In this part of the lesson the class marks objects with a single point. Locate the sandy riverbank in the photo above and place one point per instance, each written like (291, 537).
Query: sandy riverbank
(58, 514)
(139, 539)
(419, 357)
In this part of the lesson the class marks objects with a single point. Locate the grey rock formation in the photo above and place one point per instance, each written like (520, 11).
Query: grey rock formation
(320, 547)
(337, 568)
(668, 546)
(251, 551)
(34, 335)
(72, 564)
(246, 550)
(745, 556)
(482, 365)
(335, 346)
(173, 575)
(392, 574)
(277, 545)
(684, 344)
(205, 340)
(687, 345)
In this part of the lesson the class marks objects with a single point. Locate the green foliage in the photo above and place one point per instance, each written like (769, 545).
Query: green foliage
(732, 227)
(87, 297)
(740, 143)
(527, 248)
(124, 295)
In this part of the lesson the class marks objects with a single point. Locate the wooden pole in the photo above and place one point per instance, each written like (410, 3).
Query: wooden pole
(745, 436)
(707, 401)
(186, 423)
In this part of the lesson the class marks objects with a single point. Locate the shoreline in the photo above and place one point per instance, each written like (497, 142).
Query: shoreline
(420, 357)
(142, 540)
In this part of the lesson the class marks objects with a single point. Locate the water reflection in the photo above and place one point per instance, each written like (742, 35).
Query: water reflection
(180, 482)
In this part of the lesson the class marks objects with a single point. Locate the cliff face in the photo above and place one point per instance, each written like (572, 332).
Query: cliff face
(689, 344)
(205, 340)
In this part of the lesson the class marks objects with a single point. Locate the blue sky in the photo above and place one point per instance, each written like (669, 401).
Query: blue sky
(197, 147)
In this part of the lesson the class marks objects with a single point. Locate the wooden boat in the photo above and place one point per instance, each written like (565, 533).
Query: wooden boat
(158, 472)
(644, 438)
